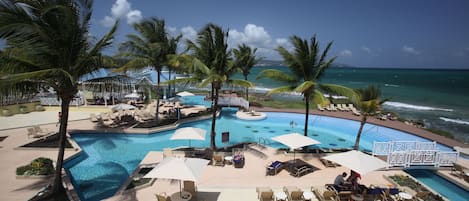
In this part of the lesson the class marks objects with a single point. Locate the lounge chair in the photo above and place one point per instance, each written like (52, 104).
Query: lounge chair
(339, 107)
(320, 108)
(289, 189)
(333, 107)
(162, 197)
(345, 107)
(300, 171)
(327, 163)
(265, 193)
(218, 160)
(94, 118)
(274, 168)
(189, 186)
(33, 134)
(355, 112)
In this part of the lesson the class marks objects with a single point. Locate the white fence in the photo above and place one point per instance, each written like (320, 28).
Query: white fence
(233, 101)
(414, 153)
(53, 101)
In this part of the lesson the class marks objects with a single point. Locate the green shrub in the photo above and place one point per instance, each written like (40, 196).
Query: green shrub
(39, 166)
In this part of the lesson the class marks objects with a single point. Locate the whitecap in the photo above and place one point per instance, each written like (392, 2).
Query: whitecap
(391, 85)
(458, 121)
(415, 107)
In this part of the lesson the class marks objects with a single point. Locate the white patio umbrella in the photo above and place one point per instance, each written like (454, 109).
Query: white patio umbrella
(185, 93)
(122, 106)
(295, 141)
(357, 161)
(189, 133)
(186, 169)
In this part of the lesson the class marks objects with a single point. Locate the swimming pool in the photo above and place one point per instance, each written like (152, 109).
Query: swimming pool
(440, 184)
(107, 160)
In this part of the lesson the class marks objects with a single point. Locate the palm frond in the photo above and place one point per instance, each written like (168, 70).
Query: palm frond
(276, 75)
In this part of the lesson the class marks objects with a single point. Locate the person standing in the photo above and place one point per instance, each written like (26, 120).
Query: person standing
(60, 119)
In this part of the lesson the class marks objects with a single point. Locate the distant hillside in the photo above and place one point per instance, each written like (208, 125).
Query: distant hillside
(280, 63)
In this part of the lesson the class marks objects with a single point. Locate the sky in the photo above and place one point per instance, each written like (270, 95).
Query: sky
(365, 33)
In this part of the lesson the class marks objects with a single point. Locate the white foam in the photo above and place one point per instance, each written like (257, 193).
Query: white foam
(391, 85)
(454, 120)
(415, 107)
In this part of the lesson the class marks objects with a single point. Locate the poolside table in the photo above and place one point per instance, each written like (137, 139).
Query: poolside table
(280, 195)
(228, 160)
(308, 195)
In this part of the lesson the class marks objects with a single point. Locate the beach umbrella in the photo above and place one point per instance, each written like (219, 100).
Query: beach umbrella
(185, 169)
(357, 161)
(189, 133)
(122, 106)
(295, 141)
(185, 93)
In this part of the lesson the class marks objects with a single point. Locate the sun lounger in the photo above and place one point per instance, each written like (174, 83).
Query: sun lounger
(327, 163)
(33, 134)
(333, 108)
(218, 160)
(355, 112)
(94, 118)
(300, 171)
(339, 107)
(274, 168)
(189, 186)
(320, 108)
(265, 193)
(289, 189)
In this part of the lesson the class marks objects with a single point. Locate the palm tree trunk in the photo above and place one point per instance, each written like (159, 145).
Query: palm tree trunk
(357, 140)
(57, 186)
(307, 114)
(169, 85)
(158, 73)
(214, 117)
(247, 89)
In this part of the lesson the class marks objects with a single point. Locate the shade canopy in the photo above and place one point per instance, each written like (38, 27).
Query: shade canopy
(189, 133)
(186, 169)
(185, 93)
(357, 161)
(122, 106)
(295, 140)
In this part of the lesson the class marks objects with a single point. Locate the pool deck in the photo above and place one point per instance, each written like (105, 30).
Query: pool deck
(218, 183)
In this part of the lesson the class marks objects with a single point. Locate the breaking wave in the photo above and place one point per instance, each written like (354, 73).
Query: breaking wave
(458, 121)
(415, 107)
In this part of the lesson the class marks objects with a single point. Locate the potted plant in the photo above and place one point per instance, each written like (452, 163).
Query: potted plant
(23, 109)
(6, 112)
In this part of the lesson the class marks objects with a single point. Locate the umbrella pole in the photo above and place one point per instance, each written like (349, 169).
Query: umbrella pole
(180, 189)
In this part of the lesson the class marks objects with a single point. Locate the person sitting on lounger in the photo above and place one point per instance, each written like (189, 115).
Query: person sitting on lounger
(339, 182)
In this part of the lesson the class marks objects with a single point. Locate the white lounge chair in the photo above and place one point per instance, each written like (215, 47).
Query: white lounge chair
(345, 107)
(355, 112)
(320, 108)
(339, 107)
(94, 118)
(333, 107)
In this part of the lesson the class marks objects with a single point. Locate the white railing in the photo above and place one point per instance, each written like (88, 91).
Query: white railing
(54, 101)
(414, 153)
(233, 101)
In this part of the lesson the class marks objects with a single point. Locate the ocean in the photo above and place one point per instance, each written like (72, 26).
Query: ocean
(437, 97)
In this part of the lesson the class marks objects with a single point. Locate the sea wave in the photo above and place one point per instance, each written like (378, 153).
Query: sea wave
(458, 121)
(415, 107)
(391, 85)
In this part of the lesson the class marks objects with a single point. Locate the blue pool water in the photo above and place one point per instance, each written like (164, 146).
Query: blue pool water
(108, 159)
(441, 185)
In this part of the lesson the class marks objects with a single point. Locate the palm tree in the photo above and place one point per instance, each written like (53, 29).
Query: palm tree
(212, 65)
(307, 65)
(51, 46)
(245, 59)
(150, 47)
(369, 103)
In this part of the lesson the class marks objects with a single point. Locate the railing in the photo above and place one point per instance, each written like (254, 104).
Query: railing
(233, 101)
(414, 153)
(54, 101)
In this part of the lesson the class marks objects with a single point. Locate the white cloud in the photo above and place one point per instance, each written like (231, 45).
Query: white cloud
(252, 35)
(410, 50)
(189, 33)
(346, 53)
(366, 49)
(134, 16)
(171, 30)
(122, 8)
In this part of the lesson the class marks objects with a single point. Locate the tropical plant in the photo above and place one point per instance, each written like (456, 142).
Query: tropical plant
(150, 47)
(49, 44)
(369, 103)
(211, 63)
(307, 65)
(244, 59)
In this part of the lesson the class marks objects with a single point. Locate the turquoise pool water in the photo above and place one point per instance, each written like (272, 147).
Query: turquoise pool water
(108, 159)
(446, 188)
